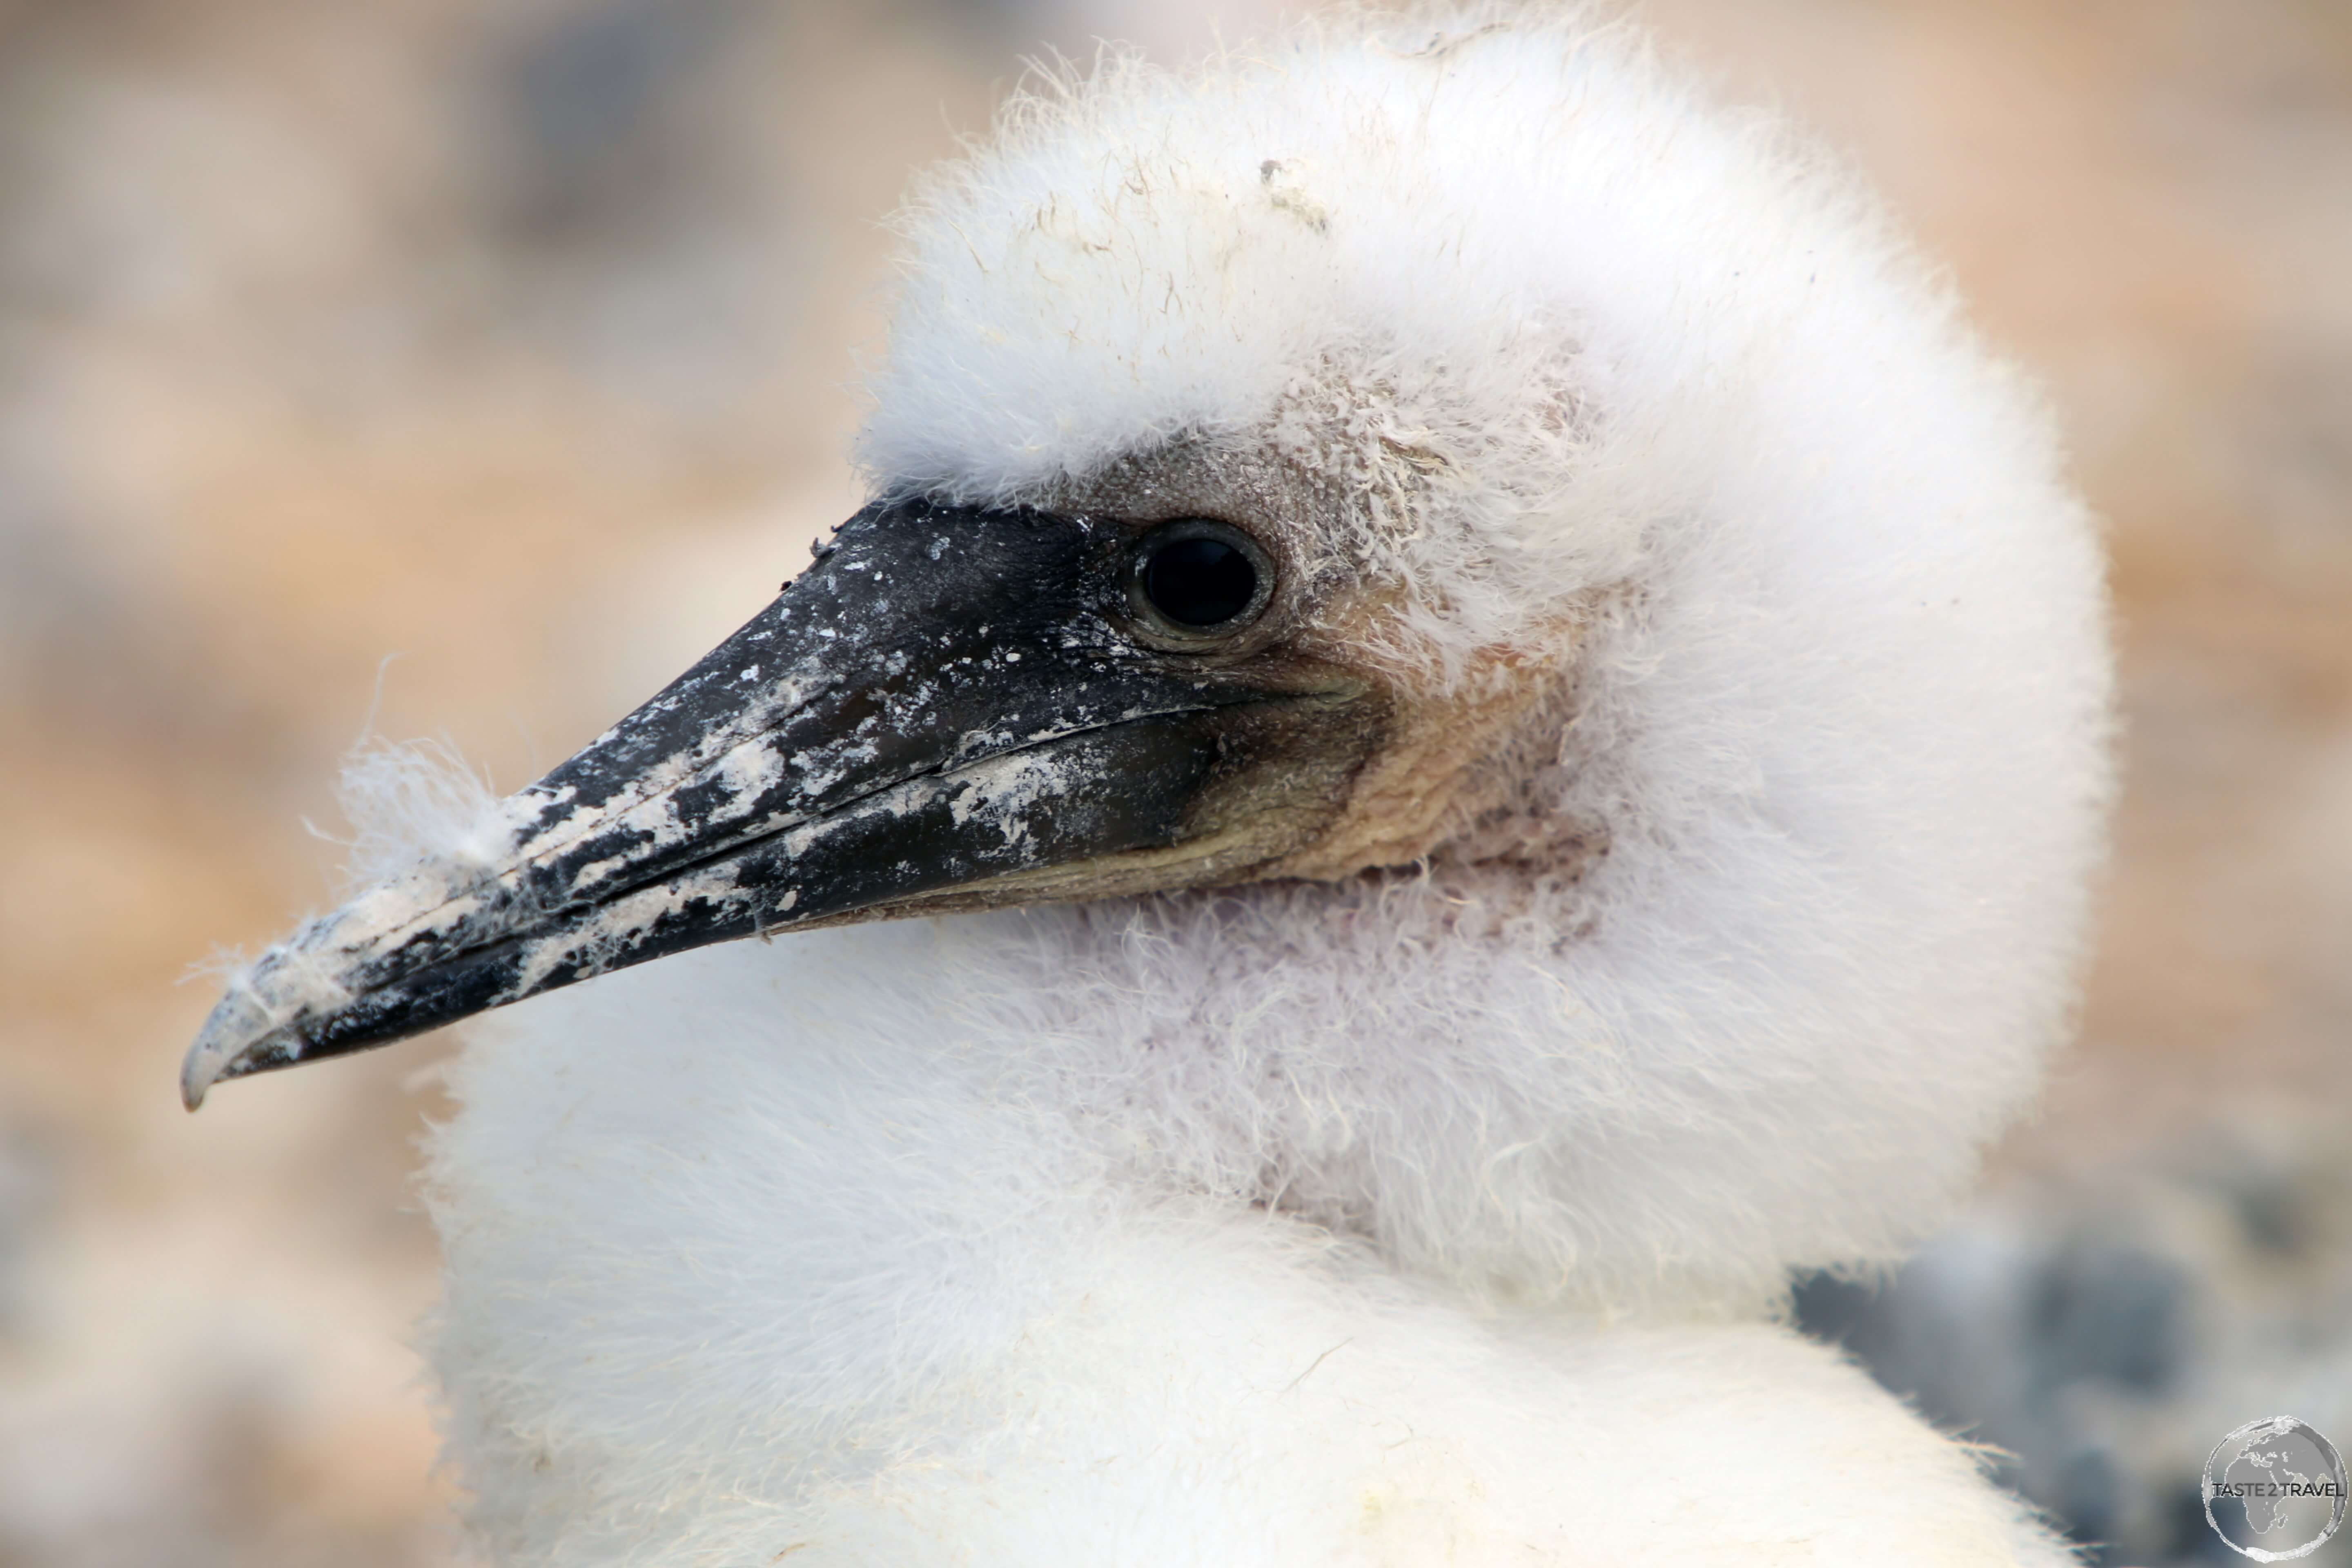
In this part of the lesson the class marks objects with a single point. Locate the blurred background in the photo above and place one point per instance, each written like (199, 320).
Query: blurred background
(517, 339)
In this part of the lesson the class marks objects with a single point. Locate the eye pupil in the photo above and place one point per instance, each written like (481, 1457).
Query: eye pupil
(1198, 582)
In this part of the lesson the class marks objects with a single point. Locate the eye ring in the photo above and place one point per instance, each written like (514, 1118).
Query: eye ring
(1196, 579)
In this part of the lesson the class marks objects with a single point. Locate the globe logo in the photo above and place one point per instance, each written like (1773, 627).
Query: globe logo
(2274, 1490)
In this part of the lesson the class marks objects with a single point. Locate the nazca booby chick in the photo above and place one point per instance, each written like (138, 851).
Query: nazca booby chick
(1505, 714)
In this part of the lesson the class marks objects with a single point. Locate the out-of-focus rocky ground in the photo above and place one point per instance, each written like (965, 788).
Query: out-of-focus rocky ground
(517, 339)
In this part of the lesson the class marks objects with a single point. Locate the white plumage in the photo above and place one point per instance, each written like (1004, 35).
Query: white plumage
(1710, 905)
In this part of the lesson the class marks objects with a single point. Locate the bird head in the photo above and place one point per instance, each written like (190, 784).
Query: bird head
(1446, 468)
(1179, 572)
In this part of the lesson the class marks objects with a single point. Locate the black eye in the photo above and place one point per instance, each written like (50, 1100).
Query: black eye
(1201, 576)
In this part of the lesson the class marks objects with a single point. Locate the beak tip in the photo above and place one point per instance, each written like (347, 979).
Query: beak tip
(237, 1039)
(200, 1070)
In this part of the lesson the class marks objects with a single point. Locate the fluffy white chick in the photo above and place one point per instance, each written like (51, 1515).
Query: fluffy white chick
(1704, 725)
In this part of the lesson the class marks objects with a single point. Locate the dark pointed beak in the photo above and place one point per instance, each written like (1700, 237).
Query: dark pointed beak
(951, 709)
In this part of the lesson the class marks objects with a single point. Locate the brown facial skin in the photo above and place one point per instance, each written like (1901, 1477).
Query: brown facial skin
(1452, 759)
